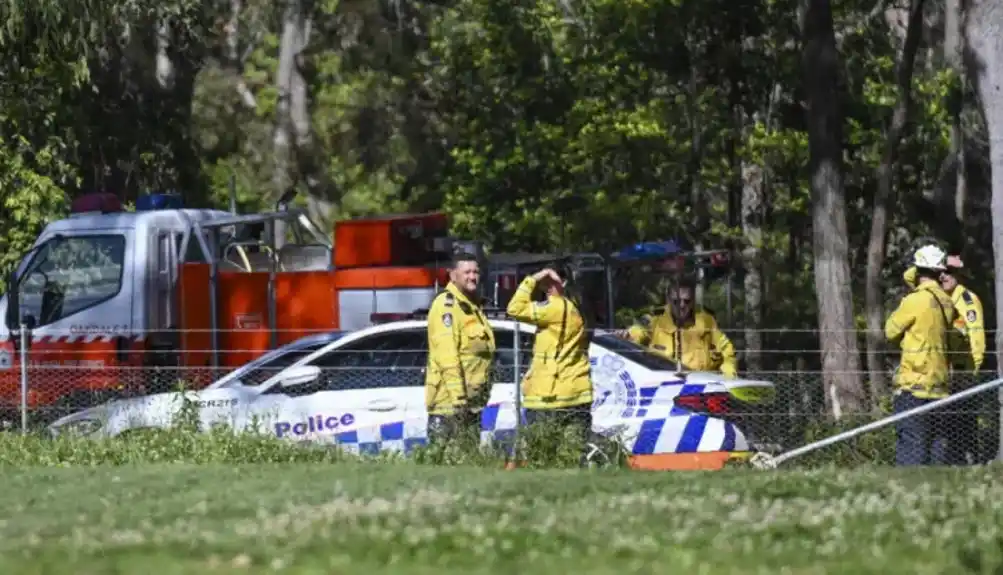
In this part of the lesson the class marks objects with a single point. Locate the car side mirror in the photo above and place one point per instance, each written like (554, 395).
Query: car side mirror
(300, 375)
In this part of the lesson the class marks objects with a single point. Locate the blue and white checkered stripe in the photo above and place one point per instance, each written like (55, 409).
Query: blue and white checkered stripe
(655, 426)
(649, 429)
(687, 434)
(397, 436)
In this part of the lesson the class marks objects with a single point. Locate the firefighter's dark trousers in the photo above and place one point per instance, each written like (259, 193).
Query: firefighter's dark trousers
(920, 439)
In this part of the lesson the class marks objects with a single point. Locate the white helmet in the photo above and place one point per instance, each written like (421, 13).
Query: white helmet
(930, 257)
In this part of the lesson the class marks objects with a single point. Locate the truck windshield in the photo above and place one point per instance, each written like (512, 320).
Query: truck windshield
(71, 274)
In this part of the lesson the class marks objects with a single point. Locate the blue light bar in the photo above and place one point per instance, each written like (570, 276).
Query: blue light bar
(649, 250)
(150, 202)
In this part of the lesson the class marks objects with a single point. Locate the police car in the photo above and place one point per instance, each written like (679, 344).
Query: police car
(364, 391)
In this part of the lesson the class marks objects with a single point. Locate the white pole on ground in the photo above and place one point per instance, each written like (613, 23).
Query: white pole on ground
(516, 344)
(767, 461)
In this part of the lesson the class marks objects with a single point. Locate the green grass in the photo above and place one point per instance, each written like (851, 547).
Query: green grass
(185, 503)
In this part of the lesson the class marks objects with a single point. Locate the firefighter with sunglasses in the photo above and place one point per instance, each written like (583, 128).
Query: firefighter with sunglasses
(685, 334)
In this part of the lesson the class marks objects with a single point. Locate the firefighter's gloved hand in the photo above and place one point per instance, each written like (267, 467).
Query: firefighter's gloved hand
(547, 273)
(729, 371)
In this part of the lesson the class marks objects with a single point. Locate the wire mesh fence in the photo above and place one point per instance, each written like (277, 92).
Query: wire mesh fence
(370, 394)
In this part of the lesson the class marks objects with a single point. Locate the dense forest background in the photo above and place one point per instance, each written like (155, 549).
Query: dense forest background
(820, 141)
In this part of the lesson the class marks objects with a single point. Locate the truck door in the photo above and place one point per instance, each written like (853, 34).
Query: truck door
(162, 336)
(77, 292)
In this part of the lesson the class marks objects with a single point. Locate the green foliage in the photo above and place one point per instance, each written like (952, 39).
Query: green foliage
(31, 196)
(536, 125)
(157, 446)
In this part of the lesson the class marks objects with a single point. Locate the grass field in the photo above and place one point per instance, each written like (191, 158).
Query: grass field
(206, 503)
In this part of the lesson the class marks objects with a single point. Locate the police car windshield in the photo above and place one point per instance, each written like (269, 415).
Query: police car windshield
(636, 353)
(260, 370)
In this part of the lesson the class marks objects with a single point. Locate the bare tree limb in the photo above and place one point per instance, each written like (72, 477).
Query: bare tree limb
(234, 60)
(874, 295)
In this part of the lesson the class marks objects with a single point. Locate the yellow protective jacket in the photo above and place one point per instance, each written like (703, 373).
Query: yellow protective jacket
(461, 350)
(968, 322)
(704, 346)
(923, 320)
(559, 371)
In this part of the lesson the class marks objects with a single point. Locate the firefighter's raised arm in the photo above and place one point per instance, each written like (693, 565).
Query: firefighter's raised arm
(523, 308)
(444, 343)
(910, 277)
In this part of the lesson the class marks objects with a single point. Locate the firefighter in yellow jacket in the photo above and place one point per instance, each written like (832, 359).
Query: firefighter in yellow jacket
(704, 346)
(922, 321)
(558, 386)
(461, 349)
(969, 335)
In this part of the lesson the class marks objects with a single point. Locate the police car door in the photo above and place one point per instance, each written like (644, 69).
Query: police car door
(363, 398)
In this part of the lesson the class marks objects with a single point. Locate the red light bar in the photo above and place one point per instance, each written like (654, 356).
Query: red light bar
(704, 402)
(719, 259)
(101, 202)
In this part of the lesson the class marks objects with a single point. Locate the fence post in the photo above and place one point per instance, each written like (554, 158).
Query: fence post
(24, 378)
(516, 360)
(999, 408)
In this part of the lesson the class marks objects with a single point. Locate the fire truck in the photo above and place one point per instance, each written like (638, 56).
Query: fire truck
(110, 302)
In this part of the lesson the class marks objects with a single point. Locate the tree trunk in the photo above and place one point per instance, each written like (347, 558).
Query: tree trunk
(698, 201)
(957, 181)
(753, 178)
(234, 59)
(840, 361)
(320, 190)
(286, 75)
(983, 27)
(874, 295)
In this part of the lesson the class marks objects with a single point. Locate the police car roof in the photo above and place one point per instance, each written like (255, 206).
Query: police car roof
(314, 339)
